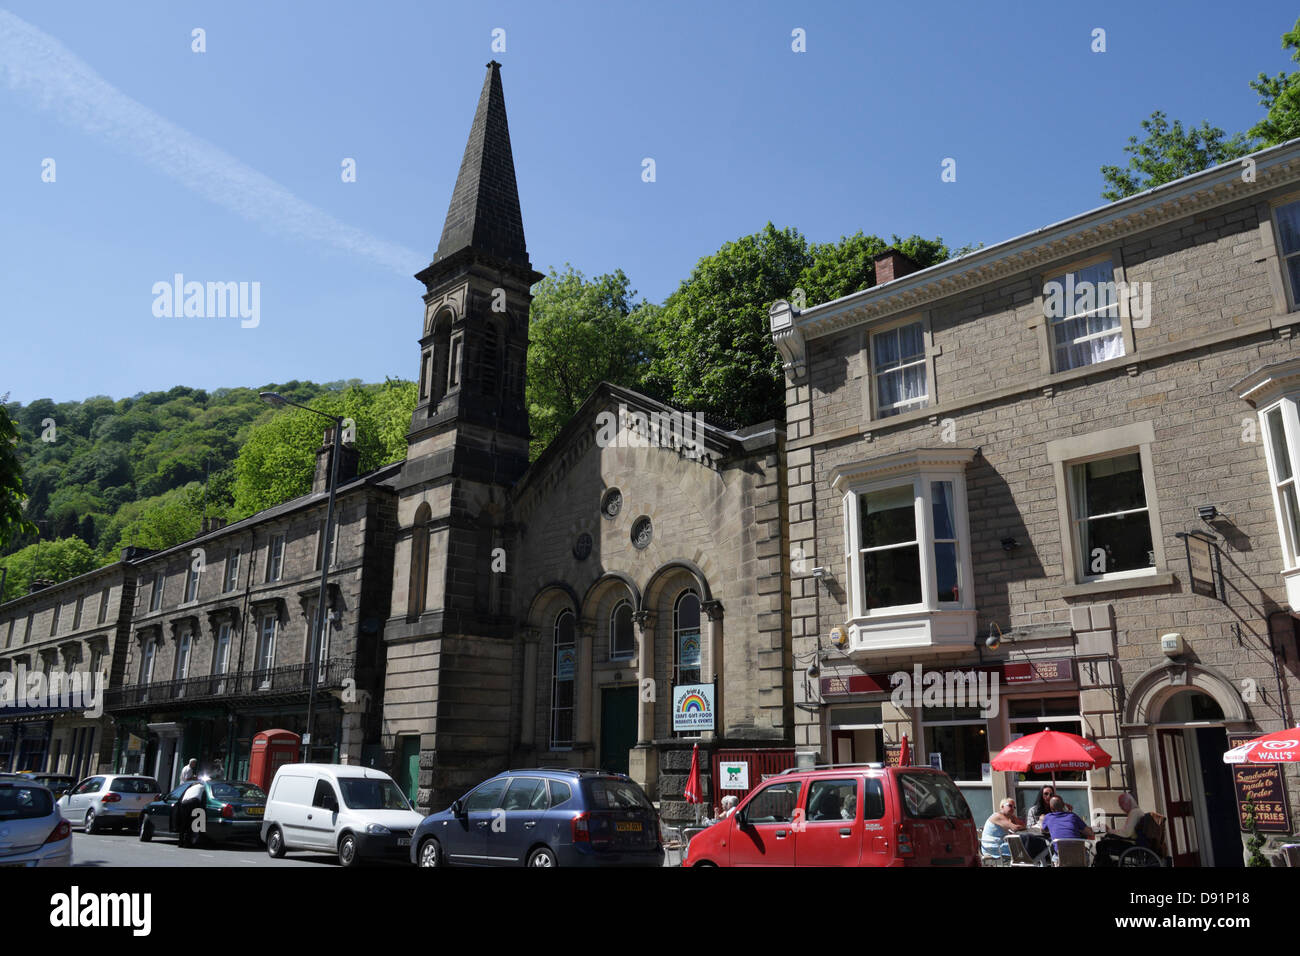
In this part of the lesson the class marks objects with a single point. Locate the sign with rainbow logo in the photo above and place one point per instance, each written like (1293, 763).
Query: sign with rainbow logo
(693, 707)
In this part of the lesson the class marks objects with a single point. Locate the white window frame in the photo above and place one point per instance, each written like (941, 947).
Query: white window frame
(921, 483)
(76, 615)
(266, 642)
(156, 595)
(1288, 536)
(1062, 453)
(231, 580)
(895, 328)
(1084, 561)
(1292, 293)
(221, 649)
(148, 658)
(184, 651)
(929, 623)
(275, 558)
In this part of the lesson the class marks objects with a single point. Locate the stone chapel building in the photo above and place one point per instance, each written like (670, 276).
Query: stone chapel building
(558, 613)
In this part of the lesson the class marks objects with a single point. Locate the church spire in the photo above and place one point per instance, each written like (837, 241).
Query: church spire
(484, 212)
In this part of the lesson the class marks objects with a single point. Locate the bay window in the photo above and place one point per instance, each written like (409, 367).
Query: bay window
(907, 546)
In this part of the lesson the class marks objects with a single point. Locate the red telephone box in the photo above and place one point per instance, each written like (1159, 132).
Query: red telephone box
(272, 749)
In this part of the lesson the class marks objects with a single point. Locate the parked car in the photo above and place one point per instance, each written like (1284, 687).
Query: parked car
(32, 830)
(357, 812)
(855, 815)
(58, 783)
(233, 810)
(544, 818)
(109, 800)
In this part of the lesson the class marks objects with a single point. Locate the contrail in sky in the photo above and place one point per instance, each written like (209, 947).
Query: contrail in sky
(51, 77)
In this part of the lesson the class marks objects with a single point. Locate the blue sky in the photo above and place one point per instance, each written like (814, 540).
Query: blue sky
(225, 165)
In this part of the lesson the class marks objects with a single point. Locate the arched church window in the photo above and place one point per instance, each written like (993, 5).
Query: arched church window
(622, 638)
(686, 637)
(419, 582)
(564, 670)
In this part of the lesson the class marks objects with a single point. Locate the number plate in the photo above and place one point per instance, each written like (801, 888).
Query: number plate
(403, 841)
(629, 828)
(131, 814)
(255, 811)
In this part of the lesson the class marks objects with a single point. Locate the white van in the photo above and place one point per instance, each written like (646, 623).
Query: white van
(356, 812)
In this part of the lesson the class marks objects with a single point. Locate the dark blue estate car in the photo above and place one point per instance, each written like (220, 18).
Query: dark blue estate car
(544, 818)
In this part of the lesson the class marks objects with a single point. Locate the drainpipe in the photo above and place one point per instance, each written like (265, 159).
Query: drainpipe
(1283, 702)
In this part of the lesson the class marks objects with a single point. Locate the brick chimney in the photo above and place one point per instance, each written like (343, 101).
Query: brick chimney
(892, 264)
(347, 462)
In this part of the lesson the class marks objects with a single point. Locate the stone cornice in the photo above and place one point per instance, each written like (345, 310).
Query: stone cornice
(1269, 382)
(1275, 167)
(903, 462)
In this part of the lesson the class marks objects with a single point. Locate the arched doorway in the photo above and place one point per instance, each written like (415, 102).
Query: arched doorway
(1196, 784)
(1179, 717)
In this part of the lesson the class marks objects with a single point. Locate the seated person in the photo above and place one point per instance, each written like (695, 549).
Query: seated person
(993, 841)
(728, 805)
(1042, 806)
(1063, 824)
(1116, 841)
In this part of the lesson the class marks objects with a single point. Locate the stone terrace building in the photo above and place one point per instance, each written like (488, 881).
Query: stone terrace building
(75, 629)
(976, 451)
(221, 634)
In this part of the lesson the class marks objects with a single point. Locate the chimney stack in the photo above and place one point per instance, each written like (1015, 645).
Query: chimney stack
(892, 264)
(347, 462)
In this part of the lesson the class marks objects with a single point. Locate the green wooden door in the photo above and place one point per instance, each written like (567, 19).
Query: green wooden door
(617, 727)
(408, 766)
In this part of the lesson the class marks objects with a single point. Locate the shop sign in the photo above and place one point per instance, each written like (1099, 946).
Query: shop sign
(693, 707)
(1204, 570)
(1264, 786)
(733, 774)
(1023, 672)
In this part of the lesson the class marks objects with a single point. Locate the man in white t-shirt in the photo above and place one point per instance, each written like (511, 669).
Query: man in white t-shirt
(193, 799)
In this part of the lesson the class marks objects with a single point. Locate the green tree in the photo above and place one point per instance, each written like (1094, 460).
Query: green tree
(277, 461)
(54, 560)
(1280, 97)
(1171, 152)
(161, 522)
(580, 333)
(12, 520)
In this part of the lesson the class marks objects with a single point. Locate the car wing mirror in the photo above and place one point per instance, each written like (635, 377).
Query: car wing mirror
(458, 808)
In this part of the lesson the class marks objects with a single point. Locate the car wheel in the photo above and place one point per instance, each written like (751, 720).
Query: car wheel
(274, 844)
(430, 854)
(146, 830)
(541, 857)
(89, 825)
(348, 850)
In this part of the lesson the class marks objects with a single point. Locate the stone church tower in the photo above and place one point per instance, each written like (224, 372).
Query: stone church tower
(447, 702)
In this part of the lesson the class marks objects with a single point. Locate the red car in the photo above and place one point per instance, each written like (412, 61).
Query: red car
(858, 815)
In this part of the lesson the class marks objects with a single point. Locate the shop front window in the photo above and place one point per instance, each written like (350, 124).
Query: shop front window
(958, 736)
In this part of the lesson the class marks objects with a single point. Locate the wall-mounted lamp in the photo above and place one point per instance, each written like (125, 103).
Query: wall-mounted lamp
(1010, 544)
(1207, 512)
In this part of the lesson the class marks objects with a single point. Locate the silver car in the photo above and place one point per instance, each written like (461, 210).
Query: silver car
(32, 830)
(109, 800)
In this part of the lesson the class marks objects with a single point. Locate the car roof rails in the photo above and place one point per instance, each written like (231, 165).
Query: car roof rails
(873, 764)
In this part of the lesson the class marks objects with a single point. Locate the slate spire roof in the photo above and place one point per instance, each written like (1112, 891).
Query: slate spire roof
(484, 212)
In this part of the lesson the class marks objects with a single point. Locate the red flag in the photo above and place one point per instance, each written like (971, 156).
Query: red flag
(692, 793)
(904, 755)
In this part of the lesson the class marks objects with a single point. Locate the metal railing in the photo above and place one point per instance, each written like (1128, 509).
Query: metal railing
(293, 678)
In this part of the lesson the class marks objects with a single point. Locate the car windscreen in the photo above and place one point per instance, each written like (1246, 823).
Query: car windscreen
(245, 792)
(25, 803)
(930, 796)
(135, 785)
(607, 794)
(360, 793)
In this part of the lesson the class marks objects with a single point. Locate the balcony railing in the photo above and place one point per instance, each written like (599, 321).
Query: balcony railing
(272, 681)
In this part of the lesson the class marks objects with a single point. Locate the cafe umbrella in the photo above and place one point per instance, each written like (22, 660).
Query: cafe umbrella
(692, 791)
(1050, 751)
(1281, 746)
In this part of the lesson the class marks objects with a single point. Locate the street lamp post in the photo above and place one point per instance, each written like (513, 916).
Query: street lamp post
(271, 398)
